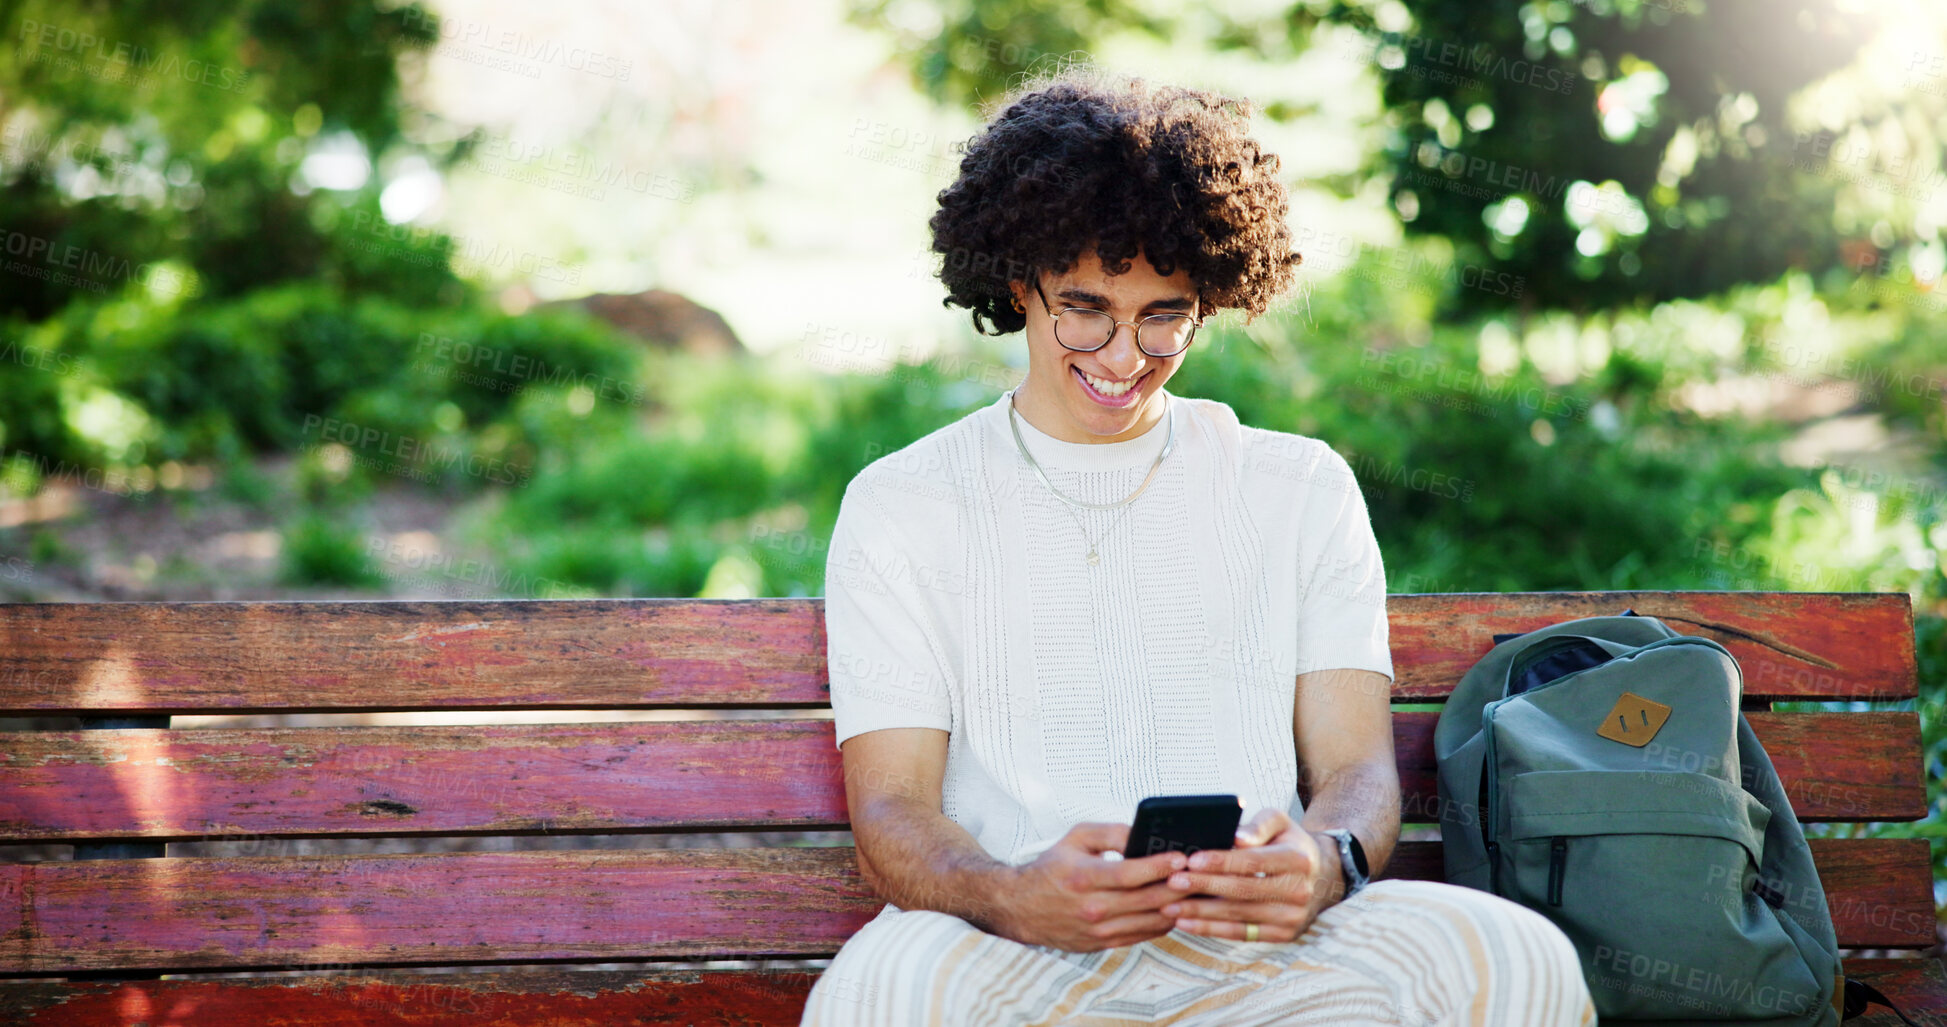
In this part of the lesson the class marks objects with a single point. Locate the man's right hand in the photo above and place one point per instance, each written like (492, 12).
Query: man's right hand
(914, 857)
(1073, 898)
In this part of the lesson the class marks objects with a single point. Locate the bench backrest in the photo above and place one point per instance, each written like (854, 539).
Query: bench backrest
(136, 786)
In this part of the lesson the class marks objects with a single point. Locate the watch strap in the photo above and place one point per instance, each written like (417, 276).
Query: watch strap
(1351, 860)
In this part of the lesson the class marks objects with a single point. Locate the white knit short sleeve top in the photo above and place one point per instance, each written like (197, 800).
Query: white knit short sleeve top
(959, 597)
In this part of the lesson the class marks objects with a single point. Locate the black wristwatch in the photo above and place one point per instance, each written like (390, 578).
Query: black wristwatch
(1352, 858)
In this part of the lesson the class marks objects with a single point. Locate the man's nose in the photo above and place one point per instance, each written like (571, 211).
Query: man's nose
(1122, 357)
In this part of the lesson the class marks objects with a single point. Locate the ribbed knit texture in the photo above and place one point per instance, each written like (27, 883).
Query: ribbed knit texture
(959, 598)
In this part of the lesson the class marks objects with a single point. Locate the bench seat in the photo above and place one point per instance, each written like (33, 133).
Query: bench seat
(93, 934)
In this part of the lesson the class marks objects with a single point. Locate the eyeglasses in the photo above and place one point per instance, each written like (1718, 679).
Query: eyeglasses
(1085, 329)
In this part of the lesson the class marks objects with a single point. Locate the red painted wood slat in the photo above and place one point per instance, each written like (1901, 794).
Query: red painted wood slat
(268, 913)
(596, 906)
(1790, 644)
(568, 998)
(385, 781)
(562, 998)
(390, 655)
(610, 653)
(696, 775)
(1915, 986)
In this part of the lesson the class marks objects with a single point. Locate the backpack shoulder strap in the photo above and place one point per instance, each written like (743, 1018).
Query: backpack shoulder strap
(1859, 994)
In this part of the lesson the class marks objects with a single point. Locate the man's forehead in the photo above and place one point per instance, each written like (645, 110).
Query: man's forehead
(1140, 282)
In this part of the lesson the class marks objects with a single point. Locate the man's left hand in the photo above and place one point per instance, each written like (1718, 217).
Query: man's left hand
(1279, 877)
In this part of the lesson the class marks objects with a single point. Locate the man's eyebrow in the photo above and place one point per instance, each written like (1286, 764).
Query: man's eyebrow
(1095, 299)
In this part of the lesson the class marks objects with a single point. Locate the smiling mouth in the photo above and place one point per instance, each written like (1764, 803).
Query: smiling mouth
(1110, 389)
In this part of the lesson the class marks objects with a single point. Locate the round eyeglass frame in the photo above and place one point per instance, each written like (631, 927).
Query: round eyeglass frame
(1055, 316)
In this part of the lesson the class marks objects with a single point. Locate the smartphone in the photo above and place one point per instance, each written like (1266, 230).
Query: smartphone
(1183, 823)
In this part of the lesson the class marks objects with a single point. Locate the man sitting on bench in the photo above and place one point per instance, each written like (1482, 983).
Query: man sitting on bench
(1093, 591)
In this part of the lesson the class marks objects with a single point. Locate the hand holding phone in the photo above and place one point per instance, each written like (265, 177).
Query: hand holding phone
(1183, 823)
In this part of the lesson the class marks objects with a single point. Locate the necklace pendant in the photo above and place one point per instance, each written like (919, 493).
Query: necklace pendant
(1092, 558)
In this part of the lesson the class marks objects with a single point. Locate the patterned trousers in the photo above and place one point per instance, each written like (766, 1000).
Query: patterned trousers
(1399, 953)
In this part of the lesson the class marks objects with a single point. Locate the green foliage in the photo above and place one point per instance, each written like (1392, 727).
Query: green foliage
(360, 253)
(620, 563)
(322, 550)
(743, 464)
(303, 364)
(38, 379)
(46, 548)
(147, 132)
(242, 482)
(1514, 100)
(1503, 483)
(975, 51)
(1604, 152)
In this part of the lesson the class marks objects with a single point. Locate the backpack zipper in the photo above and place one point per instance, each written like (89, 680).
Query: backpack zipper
(1557, 865)
(1486, 798)
(1493, 849)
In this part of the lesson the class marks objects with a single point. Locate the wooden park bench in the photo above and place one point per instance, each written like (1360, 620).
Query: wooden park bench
(88, 941)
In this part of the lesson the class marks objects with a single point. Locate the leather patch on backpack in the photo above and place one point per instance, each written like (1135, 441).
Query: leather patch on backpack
(1634, 720)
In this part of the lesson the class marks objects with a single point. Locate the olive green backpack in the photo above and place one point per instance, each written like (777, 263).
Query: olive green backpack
(1600, 772)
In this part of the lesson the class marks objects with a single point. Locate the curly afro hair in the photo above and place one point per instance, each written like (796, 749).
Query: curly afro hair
(1168, 173)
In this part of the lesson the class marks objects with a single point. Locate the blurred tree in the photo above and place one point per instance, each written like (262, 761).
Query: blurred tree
(972, 51)
(1611, 150)
(177, 145)
(1606, 151)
